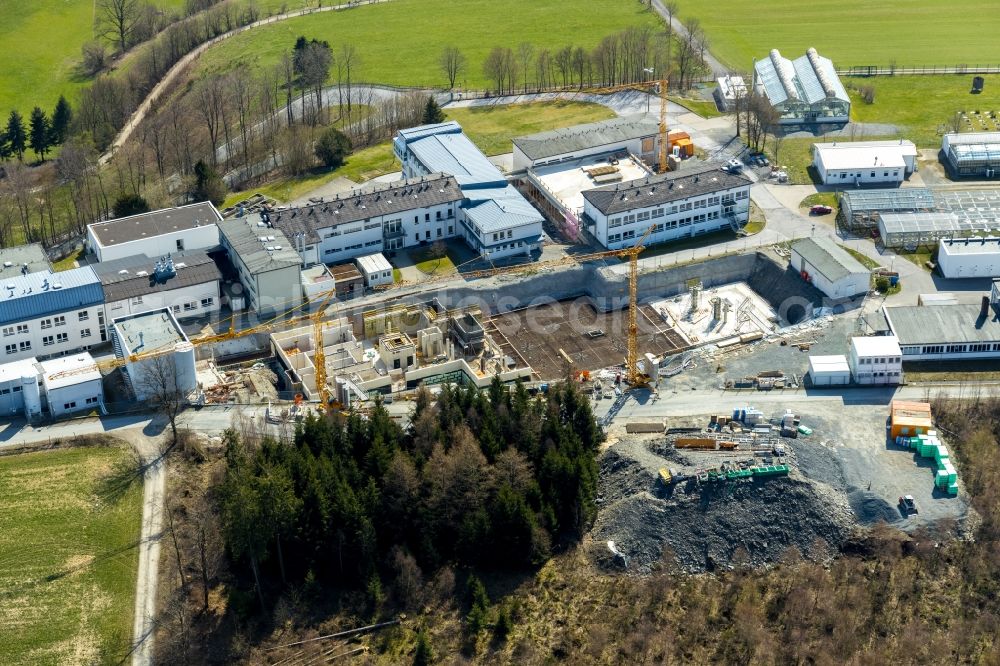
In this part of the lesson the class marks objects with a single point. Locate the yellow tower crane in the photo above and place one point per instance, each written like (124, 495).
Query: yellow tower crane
(660, 85)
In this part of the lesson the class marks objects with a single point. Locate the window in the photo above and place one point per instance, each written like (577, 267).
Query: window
(614, 238)
(83, 315)
(8, 331)
(180, 244)
(48, 340)
(451, 213)
(62, 337)
(177, 308)
(46, 323)
(873, 174)
(190, 306)
(11, 349)
(84, 332)
(440, 232)
(451, 230)
(71, 405)
(207, 302)
(372, 225)
(658, 212)
(60, 321)
(643, 215)
(25, 345)
(843, 175)
(615, 222)
(439, 215)
(91, 401)
(427, 217)
(137, 300)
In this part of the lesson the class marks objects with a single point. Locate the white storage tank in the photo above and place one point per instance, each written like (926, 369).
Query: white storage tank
(32, 396)
(187, 376)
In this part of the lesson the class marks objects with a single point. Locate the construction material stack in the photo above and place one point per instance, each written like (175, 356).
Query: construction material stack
(909, 419)
(928, 446)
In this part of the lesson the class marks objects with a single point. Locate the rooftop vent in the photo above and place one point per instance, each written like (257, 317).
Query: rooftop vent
(142, 273)
(123, 272)
(7, 264)
(57, 285)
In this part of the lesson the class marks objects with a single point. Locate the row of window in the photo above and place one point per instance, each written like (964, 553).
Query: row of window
(894, 373)
(728, 199)
(953, 349)
(72, 405)
(895, 174)
(669, 224)
(59, 320)
(884, 359)
(500, 235)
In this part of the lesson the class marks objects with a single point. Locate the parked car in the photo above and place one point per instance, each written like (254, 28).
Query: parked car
(820, 209)
(734, 165)
(908, 505)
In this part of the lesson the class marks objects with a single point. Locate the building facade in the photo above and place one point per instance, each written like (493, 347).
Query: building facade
(48, 314)
(876, 360)
(829, 370)
(156, 233)
(830, 268)
(856, 163)
(948, 332)
(678, 205)
(804, 91)
(71, 384)
(636, 135)
(974, 257)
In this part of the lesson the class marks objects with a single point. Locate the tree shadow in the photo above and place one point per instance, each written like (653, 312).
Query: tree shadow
(125, 473)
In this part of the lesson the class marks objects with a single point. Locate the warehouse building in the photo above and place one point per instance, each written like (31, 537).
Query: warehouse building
(876, 360)
(680, 204)
(268, 266)
(156, 233)
(186, 282)
(376, 269)
(829, 370)
(974, 257)
(948, 332)
(635, 135)
(49, 314)
(23, 259)
(495, 220)
(381, 218)
(830, 268)
(164, 357)
(864, 162)
(71, 384)
(804, 91)
(972, 154)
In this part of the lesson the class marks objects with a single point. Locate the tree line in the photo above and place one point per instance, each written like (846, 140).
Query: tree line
(41, 133)
(492, 479)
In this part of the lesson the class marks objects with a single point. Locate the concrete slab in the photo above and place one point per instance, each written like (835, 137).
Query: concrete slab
(740, 311)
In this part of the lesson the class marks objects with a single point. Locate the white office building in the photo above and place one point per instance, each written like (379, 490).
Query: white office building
(71, 384)
(49, 314)
(376, 270)
(830, 268)
(969, 257)
(381, 218)
(681, 204)
(876, 360)
(156, 233)
(855, 163)
(496, 220)
(186, 282)
(268, 266)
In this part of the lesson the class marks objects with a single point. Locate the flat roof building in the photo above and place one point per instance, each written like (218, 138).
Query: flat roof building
(637, 135)
(876, 360)
(974, 257)
(804, 91)
(376, 269)
(829, 370)
(165, 357)
(864, 162)
(678, 204)
(829, 267)
(948, 332)
(728, 90)
(72, 384)
(267, 264)
(156, 233)
(23, 259)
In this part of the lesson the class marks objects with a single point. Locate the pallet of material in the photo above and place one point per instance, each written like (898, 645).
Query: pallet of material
(645, 427)
(706, 443)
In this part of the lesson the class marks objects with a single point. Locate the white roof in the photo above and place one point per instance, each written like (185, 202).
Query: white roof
(13, 371)
(78, 368)
(863, 154)
(373, 263)
(989, 246)
(825, 364)
(878, 345)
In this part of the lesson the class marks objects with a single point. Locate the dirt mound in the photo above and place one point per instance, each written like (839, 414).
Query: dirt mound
(871, 509)
(710, 526)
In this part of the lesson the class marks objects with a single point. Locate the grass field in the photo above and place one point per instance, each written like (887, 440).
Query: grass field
(400, 42)
(68, 557)
(40, 48)
(492, 127)
(850, 32)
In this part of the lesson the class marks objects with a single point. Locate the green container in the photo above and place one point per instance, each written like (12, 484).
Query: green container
(804, 430)
(771, 470)
(953, 489)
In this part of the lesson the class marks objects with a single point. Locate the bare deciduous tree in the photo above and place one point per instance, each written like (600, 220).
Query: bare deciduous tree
(525, 54)
(117, 20)
(452, 63)
(160, 386)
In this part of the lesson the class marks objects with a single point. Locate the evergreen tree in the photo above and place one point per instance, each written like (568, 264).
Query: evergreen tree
(130, 204)
(208, 185)
(432, 112)
(62, 115)
(5, 149)
(333, 148)
(17, 138)
(423, 655)
(39, 133)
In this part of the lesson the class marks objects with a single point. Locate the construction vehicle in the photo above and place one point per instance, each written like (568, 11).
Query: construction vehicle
(660, 85)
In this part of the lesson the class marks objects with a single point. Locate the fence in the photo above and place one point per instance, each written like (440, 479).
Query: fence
(926, 70)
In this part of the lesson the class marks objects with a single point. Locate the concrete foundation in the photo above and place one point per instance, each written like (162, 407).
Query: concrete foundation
(719, 313)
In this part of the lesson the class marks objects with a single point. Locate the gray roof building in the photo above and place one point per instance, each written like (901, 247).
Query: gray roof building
(155, 223)
(543, 145)
(377, 201)
(22, 260)
(137, 276)
(261, 248)
(917, 325)
(34, 295)
(663, 188)
(828, 258)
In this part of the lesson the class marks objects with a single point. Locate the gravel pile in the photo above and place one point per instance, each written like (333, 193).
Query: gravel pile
(706, 526)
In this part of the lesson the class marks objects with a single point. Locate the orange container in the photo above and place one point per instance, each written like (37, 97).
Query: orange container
(910, 426)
